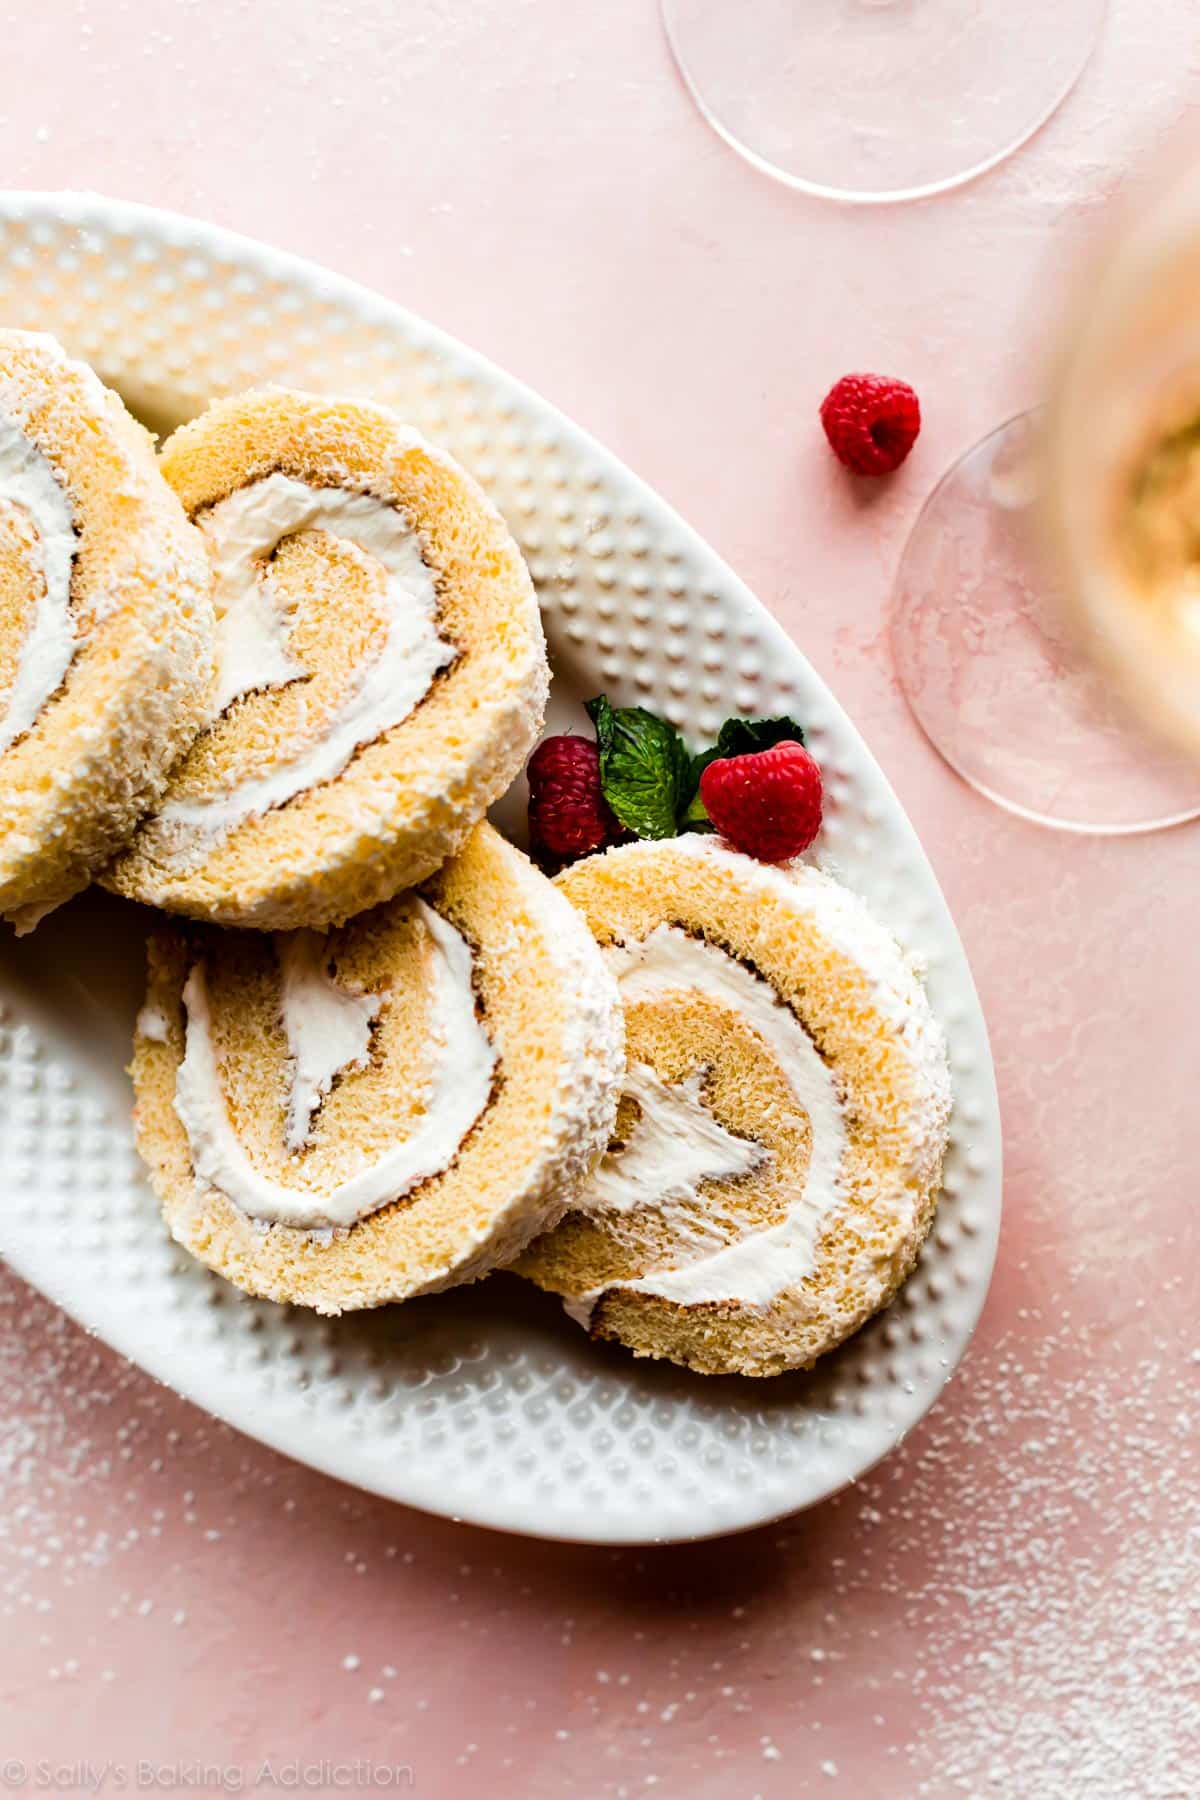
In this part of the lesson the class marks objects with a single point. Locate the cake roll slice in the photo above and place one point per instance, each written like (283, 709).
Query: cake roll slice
(381, 666)
(779, 1143)
(106, 629)
(344, 1118)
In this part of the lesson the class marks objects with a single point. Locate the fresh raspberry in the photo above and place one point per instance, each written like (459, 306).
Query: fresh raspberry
(767, 803)
(568, 814)
(871, 422)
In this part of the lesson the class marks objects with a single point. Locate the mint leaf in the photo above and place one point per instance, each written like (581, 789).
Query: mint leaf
(600, 712)
(700, 762)
(742, 737)
(645, 767)
(695, 814)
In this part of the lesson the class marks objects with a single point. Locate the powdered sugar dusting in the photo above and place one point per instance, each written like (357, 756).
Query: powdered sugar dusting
(1064, 1589)
(1009, 1606)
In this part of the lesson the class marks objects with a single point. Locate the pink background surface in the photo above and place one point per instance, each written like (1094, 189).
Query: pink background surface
(1010, 1605)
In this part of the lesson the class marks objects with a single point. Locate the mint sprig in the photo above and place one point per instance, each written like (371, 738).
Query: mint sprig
(742, 737)
(645, 767)
(695, 814)
(649, 777)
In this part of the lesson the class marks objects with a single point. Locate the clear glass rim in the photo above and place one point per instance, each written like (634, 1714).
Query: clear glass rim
(1166, 821)
(867, 196)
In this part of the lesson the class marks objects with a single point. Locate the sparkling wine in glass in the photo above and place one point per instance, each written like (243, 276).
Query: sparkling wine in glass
(1045, 623)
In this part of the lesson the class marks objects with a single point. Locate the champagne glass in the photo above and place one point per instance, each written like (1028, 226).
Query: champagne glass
(1045, 623)
(877, 100)
(989, 655)
(1122, 458)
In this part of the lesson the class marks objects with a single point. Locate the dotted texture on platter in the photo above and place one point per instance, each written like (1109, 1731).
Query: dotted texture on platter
(485, 1404)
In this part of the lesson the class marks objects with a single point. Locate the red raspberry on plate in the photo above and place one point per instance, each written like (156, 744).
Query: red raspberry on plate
(871, 422)
(568, 814)
(767, 803)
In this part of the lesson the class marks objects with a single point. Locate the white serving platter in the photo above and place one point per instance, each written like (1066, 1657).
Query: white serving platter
(487, 1404)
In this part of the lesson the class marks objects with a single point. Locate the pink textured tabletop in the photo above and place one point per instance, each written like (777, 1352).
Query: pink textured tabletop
(1010, 1604)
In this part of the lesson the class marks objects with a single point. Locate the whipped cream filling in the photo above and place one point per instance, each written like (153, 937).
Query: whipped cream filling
(152, 1024)
(462, 1063)
(28, 483)
(253, 628)
(251, 648)
(327, 1026)
(675, 1145)
(755, 1269)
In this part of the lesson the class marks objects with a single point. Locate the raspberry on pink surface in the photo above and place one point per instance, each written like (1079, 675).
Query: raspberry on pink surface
(871, 422)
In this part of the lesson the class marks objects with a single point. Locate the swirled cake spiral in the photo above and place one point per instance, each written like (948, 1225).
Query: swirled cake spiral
(345, 1118)
(779, 1143)
(381, 666)
(105, 626)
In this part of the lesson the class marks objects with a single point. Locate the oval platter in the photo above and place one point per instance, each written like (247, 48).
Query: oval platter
(486, 1404)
